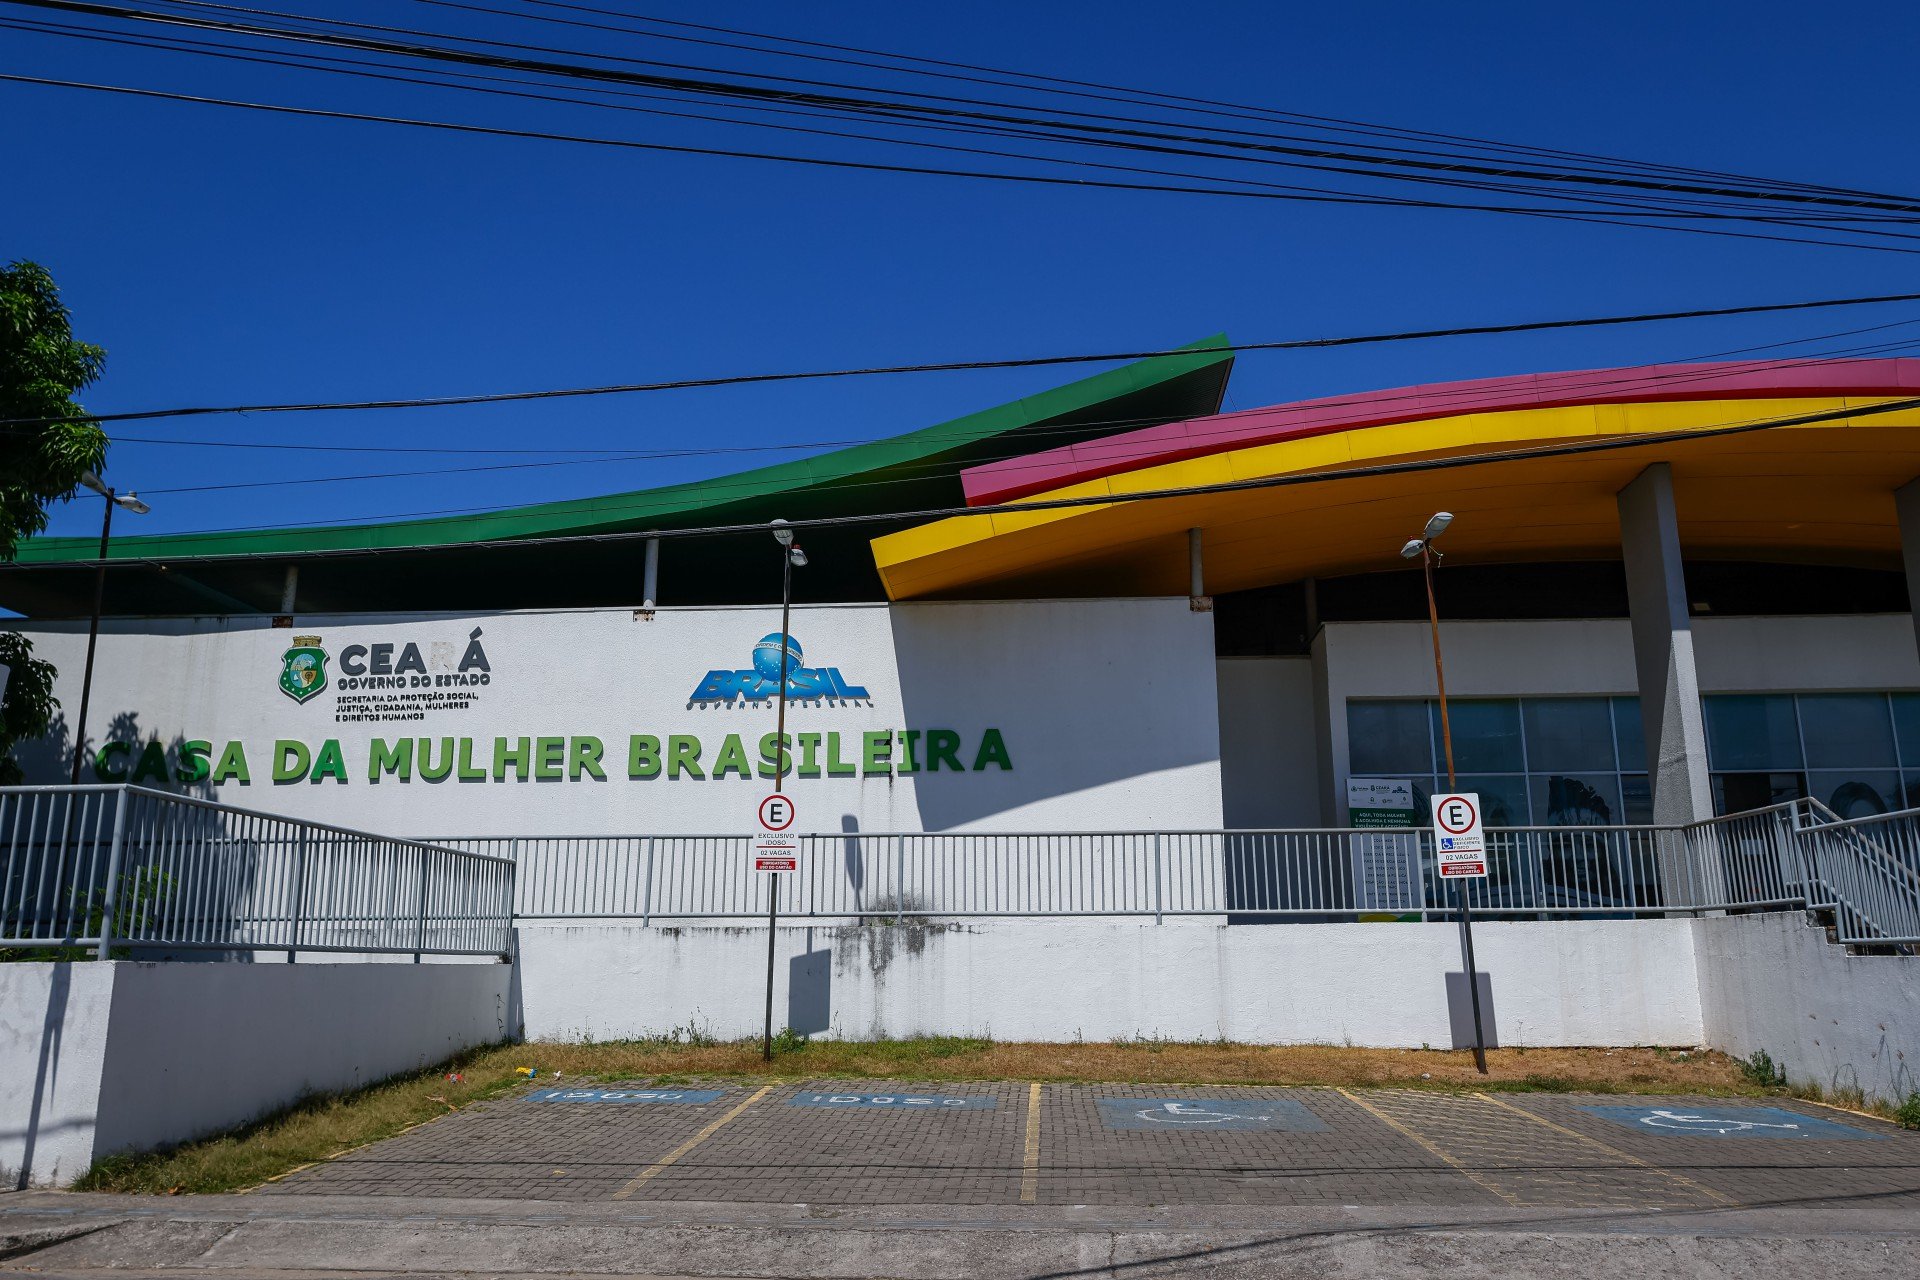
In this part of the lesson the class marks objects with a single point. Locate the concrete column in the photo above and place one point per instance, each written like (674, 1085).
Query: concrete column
(1670, 713)
(1663, 649)
(290, 588)
(650, 583)
(1907, 502)
(1197, 598)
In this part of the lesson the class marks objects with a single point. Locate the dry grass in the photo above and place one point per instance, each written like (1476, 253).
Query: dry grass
(326, 1127)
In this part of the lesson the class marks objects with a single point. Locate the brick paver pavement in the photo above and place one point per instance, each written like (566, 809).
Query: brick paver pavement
(1248, 1146)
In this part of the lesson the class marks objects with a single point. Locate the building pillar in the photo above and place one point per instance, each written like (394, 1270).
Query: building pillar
(650, 579)
(1197, 598)
(290, 589)
(1670, 713)
(1907, 502)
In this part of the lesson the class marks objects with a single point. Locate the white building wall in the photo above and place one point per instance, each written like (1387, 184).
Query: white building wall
(1774, 983)
(1567, 983)
(1106, 709)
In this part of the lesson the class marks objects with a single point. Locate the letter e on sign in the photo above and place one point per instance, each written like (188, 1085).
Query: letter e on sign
(1459, 846)
(776, 813)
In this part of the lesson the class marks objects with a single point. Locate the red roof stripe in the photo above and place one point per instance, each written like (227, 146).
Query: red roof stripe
(1014, 478)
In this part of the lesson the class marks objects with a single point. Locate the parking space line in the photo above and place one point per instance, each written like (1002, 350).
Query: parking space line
(1680, 1178)
(660, 1166)
(1030, 1169)
(1469, 1174)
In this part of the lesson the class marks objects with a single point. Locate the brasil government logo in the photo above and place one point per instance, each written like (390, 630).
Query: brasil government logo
(303, 668)
(762, 681)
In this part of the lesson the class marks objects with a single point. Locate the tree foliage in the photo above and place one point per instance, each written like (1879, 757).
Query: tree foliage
(42, 367)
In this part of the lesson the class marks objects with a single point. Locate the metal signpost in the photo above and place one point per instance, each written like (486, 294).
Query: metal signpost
(1422, 549)
(776, 811)
(1460, 855)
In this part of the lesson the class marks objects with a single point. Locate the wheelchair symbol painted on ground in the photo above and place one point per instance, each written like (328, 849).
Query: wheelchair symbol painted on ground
(1186, 1113)
(1189, 1115)
(1693, 1123)
(1728, 1122)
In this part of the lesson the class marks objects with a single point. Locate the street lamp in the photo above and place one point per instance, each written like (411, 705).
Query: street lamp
(1422, 548)
(132, 503)
(791, 558)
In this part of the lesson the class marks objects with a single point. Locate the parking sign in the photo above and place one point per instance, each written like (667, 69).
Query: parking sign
(1459, 848)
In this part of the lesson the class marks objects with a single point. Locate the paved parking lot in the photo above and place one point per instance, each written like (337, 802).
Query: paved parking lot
(877, 1143)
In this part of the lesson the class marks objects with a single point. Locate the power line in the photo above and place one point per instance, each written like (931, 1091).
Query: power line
(646, 503)
(811, 96)
(1593, 446)
(1079, 425)
(1098, 134)
(1017, 449)
(1207, 106)
(1605, 210)
(1028, 362)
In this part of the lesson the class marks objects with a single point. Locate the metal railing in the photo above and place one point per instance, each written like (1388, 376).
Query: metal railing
(1785, 856)
(123, 870)
(1866, 872)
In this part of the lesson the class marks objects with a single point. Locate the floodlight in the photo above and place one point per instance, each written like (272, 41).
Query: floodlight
(782, 534)
(797, 556)
(1413, 548)
(1438, 525)
(132, 503)
(92, 482)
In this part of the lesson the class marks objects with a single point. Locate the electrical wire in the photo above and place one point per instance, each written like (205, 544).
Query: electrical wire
(645, 503)
(809, 94)
(1606, 444)
(811, 97)
(1027, 362)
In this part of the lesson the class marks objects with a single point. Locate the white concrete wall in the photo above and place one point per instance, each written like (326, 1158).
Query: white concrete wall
(1269, 753)
(1583, 983)
(53, 1050)
(101, 1057)
(1774, 983)
(1106, 707)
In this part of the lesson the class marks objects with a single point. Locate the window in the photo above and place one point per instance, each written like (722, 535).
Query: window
(1533, 761)
(1856, 753)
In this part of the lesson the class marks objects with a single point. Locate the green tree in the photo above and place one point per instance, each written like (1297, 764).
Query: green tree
(42, 367)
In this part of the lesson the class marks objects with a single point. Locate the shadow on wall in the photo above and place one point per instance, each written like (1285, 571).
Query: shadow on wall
(1083, 693)
(129, 752)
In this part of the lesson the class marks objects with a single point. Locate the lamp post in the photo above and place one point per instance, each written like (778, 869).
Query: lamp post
(791, 558)
(1422, 547)
(132, 503)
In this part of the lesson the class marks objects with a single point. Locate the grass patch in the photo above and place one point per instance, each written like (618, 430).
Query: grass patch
(324, 1127)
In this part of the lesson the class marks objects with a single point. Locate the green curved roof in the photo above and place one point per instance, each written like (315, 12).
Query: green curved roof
(917, 470)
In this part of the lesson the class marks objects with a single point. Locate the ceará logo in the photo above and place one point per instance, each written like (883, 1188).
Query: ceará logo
(763, 680)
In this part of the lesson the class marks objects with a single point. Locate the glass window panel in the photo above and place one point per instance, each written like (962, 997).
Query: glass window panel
(1575, 734)
(1629, 734)
(1847, 730)
(1752, 732)
(1503, 799)
(1906, 727)
(1575, 800)
(1636, 799)
(1486, 736)
(1855, 793)
(1739, 792)
(1388, 739)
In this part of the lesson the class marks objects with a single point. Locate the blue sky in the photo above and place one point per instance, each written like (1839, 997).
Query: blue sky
(224, 256)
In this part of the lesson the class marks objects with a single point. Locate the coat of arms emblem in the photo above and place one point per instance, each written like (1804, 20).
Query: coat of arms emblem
(303, 668)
